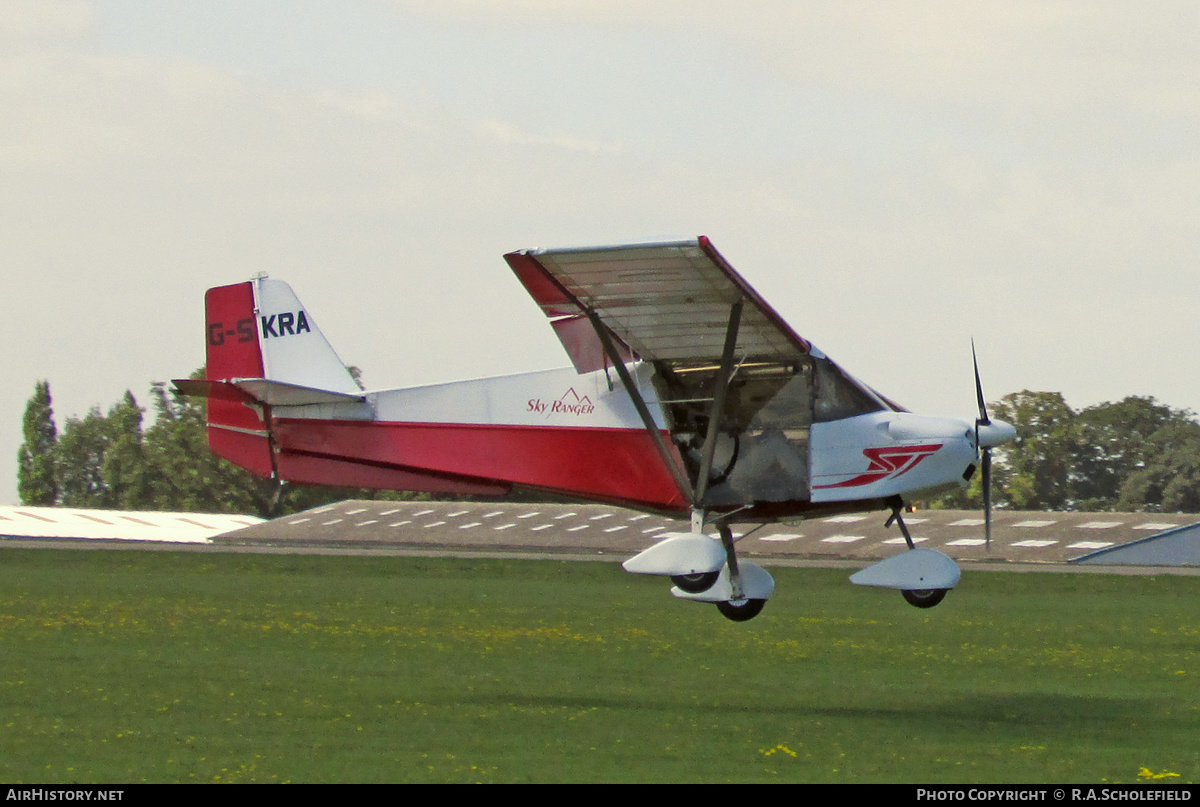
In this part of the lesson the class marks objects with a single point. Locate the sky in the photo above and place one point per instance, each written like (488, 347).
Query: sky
(895, 178)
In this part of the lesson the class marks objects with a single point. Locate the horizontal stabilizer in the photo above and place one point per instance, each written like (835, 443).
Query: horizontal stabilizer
(263, 390)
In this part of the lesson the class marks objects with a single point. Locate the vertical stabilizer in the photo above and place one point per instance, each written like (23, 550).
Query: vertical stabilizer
(292, 347)
(259, 330)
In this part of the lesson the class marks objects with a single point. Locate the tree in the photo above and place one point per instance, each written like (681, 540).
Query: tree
(186, 476)
(99, 458)
(1034, 471)
(37, 483)
(109, 461)
(1115, 441)
(123, 468)
(1169, 481)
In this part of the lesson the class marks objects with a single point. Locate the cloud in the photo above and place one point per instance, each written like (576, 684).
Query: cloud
(25, 21)
(509, 134)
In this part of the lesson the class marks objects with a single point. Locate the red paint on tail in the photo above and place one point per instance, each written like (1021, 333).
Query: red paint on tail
(235, 431)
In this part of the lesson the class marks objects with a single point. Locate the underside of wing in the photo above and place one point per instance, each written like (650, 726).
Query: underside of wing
(740, 389)
(668, 302)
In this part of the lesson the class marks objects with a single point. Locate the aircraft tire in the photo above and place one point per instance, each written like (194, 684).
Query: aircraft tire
(924, 597)
(741, 610)
(695, 583)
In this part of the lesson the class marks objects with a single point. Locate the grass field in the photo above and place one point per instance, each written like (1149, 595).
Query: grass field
(180, 667)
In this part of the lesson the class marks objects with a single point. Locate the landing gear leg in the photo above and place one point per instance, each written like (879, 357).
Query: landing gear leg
(735, 577)
(739, 607)
(897, 506)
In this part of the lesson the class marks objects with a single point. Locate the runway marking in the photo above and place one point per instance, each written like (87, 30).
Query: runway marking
(577, 529)
(1034, 523)
(190, 521)
(434, 524)
(469, 526)
(493, 513)
(1154, 525)
(329, 523)
(422, 513)
(903, 541)
(562, 516)
(968, 522)
(529, 515)
(457, 513)
(653, 529)
(390, 512)
(780, 537)
(297, 521)
(1089, 545)
(505, 526)
(616, 529)
(1034, 544)
(602, 515)
(844, 519)
(967, 542)
(1099, 525)
(82, 515)
(356, 511)
(639, 517)
(842, 539)
(542, 527)
(400, 523)
(365, 523)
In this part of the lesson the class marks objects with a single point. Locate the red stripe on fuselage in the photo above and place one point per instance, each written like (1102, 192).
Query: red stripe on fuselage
(617, 464)
(887, 463)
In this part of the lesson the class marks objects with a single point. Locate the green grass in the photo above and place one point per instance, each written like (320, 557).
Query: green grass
(179, 667)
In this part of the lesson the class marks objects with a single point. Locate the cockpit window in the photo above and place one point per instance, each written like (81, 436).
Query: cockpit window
(839, 396)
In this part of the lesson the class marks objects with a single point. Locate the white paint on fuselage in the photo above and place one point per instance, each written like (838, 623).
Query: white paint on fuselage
(566, 399)
(838, 456)
(561, 398)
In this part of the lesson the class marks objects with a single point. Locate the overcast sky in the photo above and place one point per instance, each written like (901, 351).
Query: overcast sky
(893, 177)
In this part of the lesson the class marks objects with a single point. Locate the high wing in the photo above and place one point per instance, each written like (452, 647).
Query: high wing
(740, 388)
(668, 302)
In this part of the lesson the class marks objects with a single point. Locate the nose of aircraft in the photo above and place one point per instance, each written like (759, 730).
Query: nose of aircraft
(995, 433)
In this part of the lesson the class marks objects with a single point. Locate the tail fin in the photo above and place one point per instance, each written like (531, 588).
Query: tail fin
(259, 329)
(263, 348)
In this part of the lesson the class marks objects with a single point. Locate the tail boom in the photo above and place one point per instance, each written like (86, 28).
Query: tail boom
(281, 404)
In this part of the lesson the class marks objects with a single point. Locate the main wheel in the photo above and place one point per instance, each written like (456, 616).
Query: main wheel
(924, 597)
(741, 610)
(695, 583)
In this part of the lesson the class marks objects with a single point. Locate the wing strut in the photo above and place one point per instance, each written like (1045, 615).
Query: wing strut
(638, 402)
(717, 408)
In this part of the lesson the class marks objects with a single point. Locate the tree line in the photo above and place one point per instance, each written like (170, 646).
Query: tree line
(112, 460)
(1133, 454)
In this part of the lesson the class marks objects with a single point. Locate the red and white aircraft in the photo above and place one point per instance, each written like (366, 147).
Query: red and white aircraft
(689, 396)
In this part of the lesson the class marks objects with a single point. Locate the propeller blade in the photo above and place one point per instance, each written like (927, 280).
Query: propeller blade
(983, 420)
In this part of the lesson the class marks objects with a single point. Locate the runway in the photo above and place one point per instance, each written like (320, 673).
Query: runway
(1021, 541)
(604, 532)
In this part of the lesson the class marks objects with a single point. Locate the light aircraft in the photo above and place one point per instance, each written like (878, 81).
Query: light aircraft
(688, 396)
